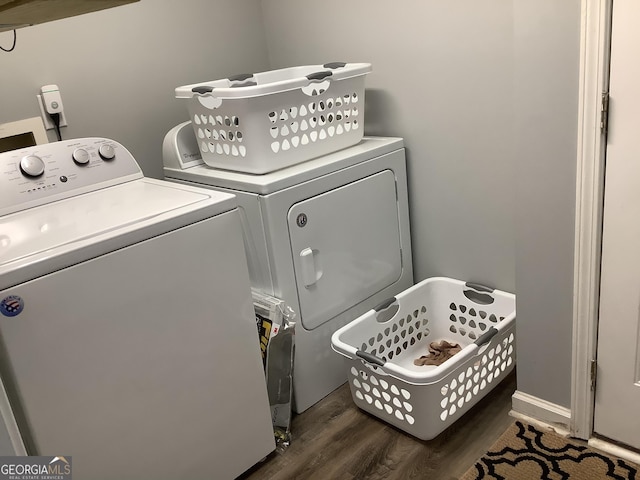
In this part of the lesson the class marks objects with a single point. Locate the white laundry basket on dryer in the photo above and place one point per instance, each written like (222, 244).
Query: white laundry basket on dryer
(261, 122)
(381, 345)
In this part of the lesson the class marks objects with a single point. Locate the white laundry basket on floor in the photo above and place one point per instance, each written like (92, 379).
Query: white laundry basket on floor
(381, 345)
(261, 122)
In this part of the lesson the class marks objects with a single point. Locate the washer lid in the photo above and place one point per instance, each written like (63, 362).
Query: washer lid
(43, 239)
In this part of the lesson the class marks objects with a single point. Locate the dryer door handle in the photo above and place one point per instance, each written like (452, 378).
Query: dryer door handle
(310, 268)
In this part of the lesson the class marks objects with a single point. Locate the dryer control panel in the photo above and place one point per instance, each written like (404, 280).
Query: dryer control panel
(46, 173)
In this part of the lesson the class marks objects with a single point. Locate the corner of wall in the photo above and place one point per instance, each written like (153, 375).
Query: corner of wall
(265, 34)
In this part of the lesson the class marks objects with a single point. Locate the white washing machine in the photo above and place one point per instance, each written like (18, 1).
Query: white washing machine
(329, 236)
(128, 340)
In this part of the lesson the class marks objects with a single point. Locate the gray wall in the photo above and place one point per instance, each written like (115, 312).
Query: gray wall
(442, 80)
(485, 95)
(117, 69)
(546, 47)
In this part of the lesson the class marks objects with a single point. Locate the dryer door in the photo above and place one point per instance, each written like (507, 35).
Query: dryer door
(346, 246)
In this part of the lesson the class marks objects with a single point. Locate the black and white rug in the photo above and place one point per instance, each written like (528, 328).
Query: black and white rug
(525, 452)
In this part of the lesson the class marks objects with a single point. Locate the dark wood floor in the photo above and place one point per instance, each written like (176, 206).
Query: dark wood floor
(336, 440)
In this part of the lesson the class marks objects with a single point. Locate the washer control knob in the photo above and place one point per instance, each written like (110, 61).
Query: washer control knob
(107, 152)
(32, 166)
(80, 156)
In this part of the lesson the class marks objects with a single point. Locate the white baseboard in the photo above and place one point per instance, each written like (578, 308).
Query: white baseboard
(542, 411)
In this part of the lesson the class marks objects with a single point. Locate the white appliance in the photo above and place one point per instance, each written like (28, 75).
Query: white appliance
(128, 339)
(329, 236)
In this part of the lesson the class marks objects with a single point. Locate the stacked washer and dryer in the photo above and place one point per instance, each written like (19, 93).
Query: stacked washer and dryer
(329, 236)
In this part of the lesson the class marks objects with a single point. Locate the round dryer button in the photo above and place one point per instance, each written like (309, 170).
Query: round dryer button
(80, 156)
(107, 152)
(32, 166)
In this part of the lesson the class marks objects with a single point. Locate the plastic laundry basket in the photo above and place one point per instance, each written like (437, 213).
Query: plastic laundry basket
(261, 122)
(381, 345)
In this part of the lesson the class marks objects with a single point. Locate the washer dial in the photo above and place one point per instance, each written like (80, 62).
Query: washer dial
(32, 166)
(80, 156)
(107, 152)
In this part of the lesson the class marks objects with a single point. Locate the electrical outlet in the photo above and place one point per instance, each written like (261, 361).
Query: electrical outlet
(48, 123)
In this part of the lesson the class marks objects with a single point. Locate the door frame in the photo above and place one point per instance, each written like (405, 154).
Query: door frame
(595, 46)
(595, 40)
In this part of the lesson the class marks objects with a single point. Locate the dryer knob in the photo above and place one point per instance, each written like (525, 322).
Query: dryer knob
(107, 152)
(32, 166)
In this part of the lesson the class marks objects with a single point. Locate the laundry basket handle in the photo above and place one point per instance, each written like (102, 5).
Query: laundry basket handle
(386, 310)
(317, 76)
(479, 294)
(243, 80)
(479, 287)
(240, 77)
(486, 336)
(202, 89)
(384, 304)
(334, 65)
(368, 357)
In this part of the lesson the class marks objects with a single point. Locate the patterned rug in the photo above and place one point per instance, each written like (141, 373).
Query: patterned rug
(524, 452)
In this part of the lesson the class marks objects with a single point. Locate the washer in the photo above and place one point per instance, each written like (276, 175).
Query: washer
(128, 337)
(329, 236)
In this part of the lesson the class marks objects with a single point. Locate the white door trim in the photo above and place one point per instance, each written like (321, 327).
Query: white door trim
(593, 80)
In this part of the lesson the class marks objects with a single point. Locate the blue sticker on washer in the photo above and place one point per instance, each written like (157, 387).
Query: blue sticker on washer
(11, 306)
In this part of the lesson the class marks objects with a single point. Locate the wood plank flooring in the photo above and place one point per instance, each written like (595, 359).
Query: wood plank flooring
(336, 440)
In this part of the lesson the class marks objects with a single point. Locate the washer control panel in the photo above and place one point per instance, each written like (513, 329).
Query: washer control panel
(45, 173)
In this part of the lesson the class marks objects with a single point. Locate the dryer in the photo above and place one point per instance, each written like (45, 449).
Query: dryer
(329, 236)
(127, 332)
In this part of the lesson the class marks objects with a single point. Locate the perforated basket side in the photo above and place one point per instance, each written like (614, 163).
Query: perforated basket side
(476, 377)
(470, 313)
(427, 410)
(262, 134)
(390, 339)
